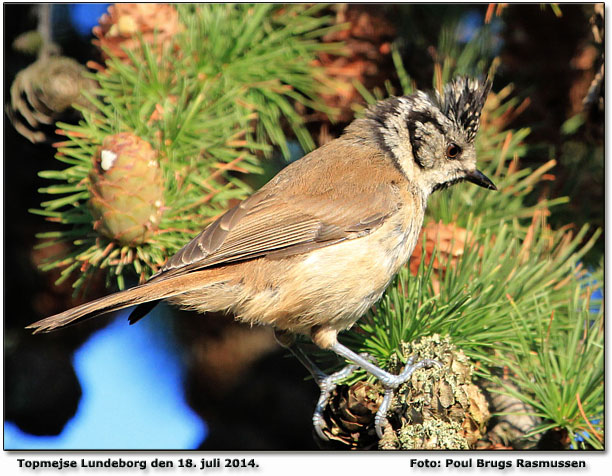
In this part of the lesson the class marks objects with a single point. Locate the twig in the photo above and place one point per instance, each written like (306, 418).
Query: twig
(586, 419)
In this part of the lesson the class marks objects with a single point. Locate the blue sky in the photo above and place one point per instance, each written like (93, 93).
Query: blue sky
(131, 378)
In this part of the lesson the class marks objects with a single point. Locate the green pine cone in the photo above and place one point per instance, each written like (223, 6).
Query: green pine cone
(126, 189)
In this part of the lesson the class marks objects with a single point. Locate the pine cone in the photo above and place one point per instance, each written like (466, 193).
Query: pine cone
(120, 28)
(126, 189)
(367, 45)
(349, 417)
(44, 93)
(437, 408)
(449, 241)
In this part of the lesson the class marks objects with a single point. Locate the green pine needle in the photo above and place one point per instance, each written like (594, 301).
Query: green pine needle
(497, 301)
(213, 104)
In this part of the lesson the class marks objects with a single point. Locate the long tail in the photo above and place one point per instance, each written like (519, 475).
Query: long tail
(144, 293)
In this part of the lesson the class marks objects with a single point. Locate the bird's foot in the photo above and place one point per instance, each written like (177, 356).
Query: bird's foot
(327, 384)
(391, 382)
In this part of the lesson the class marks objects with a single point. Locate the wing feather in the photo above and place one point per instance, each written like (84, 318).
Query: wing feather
(286, 217)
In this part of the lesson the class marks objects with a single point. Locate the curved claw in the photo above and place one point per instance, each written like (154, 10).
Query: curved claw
(327, 385)
(318, 423)
(380, 419)
(391, 382)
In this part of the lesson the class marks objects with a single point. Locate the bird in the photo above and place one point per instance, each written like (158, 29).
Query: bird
(312, 250)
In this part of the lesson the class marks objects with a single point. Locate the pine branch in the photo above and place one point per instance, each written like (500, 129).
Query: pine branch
(211, 101)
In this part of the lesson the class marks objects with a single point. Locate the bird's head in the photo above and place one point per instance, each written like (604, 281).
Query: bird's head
(430, 136)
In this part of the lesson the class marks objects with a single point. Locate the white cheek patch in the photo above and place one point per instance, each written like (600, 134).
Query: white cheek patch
(397, 137)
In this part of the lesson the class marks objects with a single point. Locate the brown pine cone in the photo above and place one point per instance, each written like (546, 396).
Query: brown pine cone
(367, 43)
(449, 241)
(119, 29)
(349, 417)
(44, 93)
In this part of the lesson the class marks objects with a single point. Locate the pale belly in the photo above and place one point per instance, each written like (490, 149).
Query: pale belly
(332, 286)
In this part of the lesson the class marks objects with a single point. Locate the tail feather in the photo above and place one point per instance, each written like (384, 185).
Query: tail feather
(104, 305)
(141, 311)
(145, 293)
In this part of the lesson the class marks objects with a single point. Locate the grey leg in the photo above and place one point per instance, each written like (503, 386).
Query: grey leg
(389, 381)
(327, 384)
(314, 370)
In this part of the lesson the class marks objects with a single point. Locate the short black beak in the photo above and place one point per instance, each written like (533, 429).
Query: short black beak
(481, 179)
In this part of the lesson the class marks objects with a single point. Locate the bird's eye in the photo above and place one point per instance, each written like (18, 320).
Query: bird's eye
(452, 151)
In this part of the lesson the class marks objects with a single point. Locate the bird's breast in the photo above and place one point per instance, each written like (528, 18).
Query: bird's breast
(334, 285)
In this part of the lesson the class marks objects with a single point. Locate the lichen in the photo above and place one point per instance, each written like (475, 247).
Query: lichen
(432, 434)
(438, 407)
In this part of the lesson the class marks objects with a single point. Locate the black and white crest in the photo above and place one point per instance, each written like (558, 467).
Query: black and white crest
(463, 101)
(418, 128)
